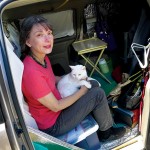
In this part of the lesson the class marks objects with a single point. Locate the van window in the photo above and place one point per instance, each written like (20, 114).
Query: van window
(62, 23)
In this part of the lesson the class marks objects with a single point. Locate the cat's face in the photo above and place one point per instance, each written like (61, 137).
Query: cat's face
(79, 72)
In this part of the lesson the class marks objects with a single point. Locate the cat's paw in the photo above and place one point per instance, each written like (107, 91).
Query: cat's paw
(88, 85)
(89, 79)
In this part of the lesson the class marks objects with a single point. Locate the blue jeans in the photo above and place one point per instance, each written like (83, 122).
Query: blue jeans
(94, 101)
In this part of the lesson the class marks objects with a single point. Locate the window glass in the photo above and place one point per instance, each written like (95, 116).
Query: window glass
(62, 23)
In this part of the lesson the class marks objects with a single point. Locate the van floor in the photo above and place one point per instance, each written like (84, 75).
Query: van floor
(131, 133)
(107, 87)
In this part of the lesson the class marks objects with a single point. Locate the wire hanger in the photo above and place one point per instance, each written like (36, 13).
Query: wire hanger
(146, 53)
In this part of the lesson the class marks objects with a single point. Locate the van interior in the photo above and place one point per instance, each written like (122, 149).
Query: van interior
(124, 27)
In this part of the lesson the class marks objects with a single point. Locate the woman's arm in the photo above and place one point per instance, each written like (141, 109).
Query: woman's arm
(55, 105)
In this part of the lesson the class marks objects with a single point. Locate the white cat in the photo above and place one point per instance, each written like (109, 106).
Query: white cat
(71, 82)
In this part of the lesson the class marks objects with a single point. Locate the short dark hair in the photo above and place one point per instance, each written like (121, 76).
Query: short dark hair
(26, 27)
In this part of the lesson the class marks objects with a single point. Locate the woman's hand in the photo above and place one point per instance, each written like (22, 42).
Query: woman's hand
(55, 105)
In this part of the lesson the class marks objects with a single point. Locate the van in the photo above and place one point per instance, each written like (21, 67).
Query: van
(109, 37)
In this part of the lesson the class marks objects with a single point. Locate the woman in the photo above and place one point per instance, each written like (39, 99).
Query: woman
(54, 115)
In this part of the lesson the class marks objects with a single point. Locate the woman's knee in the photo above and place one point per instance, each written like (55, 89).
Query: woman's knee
(100, 93)
(99, 90)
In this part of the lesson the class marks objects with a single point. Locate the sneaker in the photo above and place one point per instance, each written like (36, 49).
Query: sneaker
(114, 134)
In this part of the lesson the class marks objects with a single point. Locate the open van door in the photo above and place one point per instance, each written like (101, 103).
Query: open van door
(14, 132)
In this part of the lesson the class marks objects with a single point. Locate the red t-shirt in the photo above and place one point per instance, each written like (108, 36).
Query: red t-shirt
(37, 82)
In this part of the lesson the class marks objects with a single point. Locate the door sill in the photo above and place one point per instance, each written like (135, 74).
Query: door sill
(135, 143)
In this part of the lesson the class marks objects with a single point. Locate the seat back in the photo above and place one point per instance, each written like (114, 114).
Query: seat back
(12, 34)
(17, 67)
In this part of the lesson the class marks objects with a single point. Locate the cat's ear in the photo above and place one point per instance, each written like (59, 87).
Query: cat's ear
(71, 67)
(83, 67)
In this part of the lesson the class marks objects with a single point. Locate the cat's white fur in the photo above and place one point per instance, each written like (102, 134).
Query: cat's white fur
(71, 82)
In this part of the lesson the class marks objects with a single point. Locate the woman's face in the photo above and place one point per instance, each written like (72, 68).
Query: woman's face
(40, 40)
